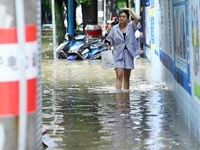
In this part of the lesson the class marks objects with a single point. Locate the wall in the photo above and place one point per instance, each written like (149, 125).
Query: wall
(172, 32)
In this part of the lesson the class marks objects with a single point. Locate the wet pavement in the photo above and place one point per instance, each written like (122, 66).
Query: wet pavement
(82, 110)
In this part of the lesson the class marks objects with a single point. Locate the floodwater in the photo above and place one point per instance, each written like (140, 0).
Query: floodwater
(82, 110)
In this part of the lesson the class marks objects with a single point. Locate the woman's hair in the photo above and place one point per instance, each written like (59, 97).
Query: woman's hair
(124, 11)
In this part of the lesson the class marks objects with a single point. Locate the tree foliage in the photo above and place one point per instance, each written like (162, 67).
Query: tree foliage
(60, 28)
(86, 2)
(121, 4)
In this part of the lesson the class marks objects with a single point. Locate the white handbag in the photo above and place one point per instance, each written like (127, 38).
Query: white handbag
(137, 34)
(107, 59)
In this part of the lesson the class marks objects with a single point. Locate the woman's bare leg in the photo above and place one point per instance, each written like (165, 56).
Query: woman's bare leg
(127, 73)
(119, 77)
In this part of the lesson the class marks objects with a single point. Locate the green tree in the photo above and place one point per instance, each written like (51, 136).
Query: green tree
(89, 11)
(60, 28)
(46, 11)
(85, 2)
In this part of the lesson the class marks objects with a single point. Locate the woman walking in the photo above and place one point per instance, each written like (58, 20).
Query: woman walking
(122, 38)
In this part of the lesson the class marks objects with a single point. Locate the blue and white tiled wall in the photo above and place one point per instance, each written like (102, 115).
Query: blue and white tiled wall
(172, 43)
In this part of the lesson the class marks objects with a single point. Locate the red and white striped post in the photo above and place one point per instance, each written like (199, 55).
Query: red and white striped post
(19, 76)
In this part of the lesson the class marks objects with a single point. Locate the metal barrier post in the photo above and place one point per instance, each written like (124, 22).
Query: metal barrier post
(19, 78)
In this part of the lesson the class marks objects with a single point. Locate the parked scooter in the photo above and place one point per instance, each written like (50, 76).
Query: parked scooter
(63, 48)
(82, 50)
(79, 48)
(85, 49)
(73, 53)
(96, 49)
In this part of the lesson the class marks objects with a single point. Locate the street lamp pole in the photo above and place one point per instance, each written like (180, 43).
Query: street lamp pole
(104, 15)
(54, 30)
(70, 17)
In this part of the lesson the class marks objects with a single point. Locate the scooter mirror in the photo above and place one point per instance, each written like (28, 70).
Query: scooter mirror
(67, 36)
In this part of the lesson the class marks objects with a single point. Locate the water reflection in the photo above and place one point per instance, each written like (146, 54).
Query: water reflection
(123, 102)
(123, 134)
(82, 110)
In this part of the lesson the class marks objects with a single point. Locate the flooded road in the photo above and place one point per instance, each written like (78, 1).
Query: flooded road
(82, 110)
